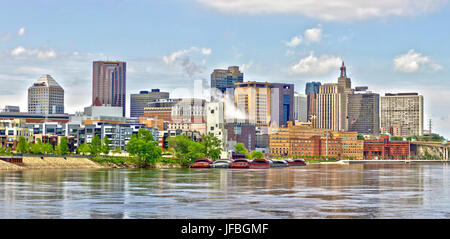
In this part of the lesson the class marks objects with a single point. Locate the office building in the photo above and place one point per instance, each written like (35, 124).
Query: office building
(223, 81)
(253, 98)
(45, 96)
(282, 103)
(332, 103)
(364, 112)
(241, 133)
(109, 83)
(385, 148)
(160, 109)
(403, 111)
(300, 108)
(311, 91)
(11, 109)
(301, 140)
(189, 110)
(141, 100)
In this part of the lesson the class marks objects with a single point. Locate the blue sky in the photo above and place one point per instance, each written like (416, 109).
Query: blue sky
(390, 46)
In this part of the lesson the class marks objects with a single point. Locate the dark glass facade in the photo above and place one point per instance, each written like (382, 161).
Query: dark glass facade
(109, 83)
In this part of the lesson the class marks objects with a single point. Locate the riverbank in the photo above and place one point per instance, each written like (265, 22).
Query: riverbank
(35, 162)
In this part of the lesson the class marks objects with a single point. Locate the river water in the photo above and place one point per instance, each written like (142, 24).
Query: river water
(315, 191)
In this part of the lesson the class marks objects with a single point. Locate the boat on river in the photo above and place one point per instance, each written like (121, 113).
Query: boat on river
(296, 162)
(260, 164)
(202, 163)
(240, 163)
(279, 163)
(221, 163)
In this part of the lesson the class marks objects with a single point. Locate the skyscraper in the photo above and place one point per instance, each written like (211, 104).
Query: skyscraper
(141, 100)
(224, 81)
(364, 112)
(46, 96)
(300, 105)
(311, 91)
(312, 87)
(282, 103)
(254, 99)
(332, 103)
(403, 113)
(109, 83)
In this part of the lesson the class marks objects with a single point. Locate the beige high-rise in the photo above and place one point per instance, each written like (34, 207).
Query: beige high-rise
(253, 98)
(46, 96)
(332, 103)
(402, 114)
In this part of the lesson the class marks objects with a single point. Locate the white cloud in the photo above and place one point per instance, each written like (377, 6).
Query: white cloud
(310, 36)
(206, 51)
(412, 62)
(312, 65)
(314, 34)
(39, 53)
(336, 10)
(295, 41)
(21, 31)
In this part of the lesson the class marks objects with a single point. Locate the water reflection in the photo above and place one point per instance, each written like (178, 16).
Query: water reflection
(316, 191)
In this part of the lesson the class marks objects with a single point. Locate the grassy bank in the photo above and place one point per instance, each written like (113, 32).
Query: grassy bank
(134, 162)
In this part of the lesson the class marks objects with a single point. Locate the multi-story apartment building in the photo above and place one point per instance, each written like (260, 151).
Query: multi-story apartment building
(141, 100)
(109, 83)
(404, 111)
(46, 96)
(332, 103)
(11, 130)
(364, 112)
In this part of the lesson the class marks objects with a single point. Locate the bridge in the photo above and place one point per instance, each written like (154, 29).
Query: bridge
(430, 148)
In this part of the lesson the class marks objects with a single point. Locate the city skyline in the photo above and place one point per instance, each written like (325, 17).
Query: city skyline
(178, 42)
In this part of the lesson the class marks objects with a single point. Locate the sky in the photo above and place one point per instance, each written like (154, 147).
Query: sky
(391, 46)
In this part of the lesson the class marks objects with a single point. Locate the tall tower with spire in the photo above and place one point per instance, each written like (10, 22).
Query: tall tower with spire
(332, 102)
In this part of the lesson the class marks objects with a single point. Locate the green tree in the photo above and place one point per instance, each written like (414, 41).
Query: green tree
(105, 145)
(2, 151)
(211, 146)
(143, 146)
(37, 147)
(257, 155)
(180, 144)
(63, 146)
(187, 150)
(84, 148)
(240, 148)
(22, 146)
(48, 148)
(96, 146)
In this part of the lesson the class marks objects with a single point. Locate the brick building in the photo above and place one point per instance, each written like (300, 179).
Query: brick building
(384, 148)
